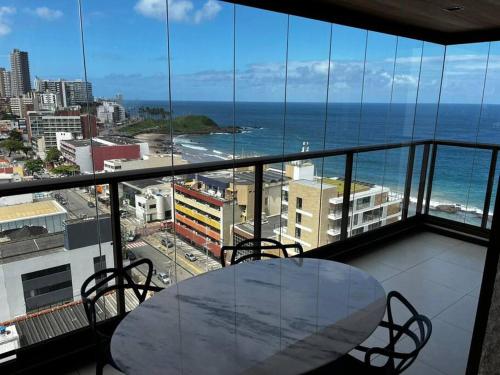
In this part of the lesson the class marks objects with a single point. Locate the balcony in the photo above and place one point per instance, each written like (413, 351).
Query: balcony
(218, 81)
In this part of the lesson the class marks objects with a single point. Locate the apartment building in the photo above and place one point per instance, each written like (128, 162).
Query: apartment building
(20, 72)
(5, 83)
(110, 112)
(47, 124)
(208, 204)
(71, 92)
(312, 208)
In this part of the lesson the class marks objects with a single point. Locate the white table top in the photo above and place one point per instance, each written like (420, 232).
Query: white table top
(277, 316)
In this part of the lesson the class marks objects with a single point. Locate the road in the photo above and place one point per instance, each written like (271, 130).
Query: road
(77, 205)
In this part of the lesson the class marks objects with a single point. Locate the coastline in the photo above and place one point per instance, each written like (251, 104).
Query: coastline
(195, 152)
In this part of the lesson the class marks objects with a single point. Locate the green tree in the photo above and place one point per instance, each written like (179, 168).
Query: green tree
(15, 135)
(26, 150)
(34, 166)
(12, 145)
(66, 170)
(53, 155)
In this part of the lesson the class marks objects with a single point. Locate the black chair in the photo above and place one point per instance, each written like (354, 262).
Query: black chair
(94, 308)
(393, 361)
(254, 249)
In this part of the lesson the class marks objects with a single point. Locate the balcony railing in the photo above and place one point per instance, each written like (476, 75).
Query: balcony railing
(425, 186)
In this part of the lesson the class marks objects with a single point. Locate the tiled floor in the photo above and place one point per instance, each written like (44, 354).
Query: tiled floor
(441, 277)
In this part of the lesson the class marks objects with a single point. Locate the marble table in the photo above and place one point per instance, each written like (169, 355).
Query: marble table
(277, 316)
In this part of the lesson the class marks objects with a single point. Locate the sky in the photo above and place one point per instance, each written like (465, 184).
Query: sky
(213, 43)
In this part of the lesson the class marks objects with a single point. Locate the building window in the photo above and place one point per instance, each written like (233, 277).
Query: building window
(152, 206)
(298, 232)
(298, 218)
(363, 203)
(357, 231)
(356, 218)
(100, 264)
(48, 287)
(299, 203)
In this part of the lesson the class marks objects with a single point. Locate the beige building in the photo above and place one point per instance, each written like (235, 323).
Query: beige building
(149, 161)
(312, 208)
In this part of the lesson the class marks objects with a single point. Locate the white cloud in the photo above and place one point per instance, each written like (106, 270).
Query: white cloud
(46, 13)
(207, 12)
(4, 24)
(179, 10)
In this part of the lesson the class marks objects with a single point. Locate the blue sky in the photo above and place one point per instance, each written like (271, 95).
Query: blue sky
(125, 45)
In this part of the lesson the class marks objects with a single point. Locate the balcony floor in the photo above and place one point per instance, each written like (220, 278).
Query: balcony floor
(441, 277)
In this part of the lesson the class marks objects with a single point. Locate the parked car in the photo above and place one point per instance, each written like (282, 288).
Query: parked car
(167, 243)
(131, 237)
(123, 214)
(191, 257)
(164, 278)
(63, 201)
(131, 256)
(90, 204)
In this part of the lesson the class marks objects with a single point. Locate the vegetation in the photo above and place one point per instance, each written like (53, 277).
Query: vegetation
(12, 145)
(153, 111)
(34, 165)
(192, 124)
(66, 170)
(7, 116)
(15, 135)
(53, 155)
(26, 150)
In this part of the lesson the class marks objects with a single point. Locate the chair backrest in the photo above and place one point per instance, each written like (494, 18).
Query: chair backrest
(255, 249)
(419, 335)
(98, 285)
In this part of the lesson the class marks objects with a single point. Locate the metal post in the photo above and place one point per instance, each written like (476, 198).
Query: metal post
(431, 178)
(117, 244)
(489, 188)
(257, 210)
(347, 195)
(423, 177)
(486, 293)
(409, 176)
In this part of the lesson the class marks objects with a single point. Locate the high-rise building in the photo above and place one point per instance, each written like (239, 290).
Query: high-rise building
(110, 112)
(73, 92)
(20, 72)
(5, 83)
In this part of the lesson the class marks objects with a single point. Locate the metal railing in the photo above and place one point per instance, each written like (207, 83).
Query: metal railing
(428, 163)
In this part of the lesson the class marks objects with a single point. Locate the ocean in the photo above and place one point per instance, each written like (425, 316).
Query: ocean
(271, 129)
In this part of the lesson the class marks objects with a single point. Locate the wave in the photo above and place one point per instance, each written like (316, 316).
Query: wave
(191, 146)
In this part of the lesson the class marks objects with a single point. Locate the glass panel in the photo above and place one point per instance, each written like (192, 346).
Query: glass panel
(51, 243)
(429, 87)
(260, 54)
(312, 204)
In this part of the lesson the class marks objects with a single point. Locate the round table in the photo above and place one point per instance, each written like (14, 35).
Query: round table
(278, 316)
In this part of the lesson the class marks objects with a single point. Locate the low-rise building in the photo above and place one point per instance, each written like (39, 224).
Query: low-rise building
(37, 273)
(149, 161)
(91, 154)
(154, 203)
(47, 213)
(47, 124)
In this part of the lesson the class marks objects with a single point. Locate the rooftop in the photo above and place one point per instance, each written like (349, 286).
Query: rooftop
(102, 141)
(268, 225)
(356, 186)
(23, 249)
(30, 210)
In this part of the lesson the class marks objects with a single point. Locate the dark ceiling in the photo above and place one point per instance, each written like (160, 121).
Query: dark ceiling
(438, 21)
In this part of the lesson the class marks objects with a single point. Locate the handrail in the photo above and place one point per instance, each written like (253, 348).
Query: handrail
(37, 186)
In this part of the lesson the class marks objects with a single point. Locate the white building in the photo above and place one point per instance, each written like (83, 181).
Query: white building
(49, 101)
(21, 105)
(39, 273)
(49, 123)
(91, 155)
(75, 92)
(149, 161)
(154, 204)
(110, 112)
